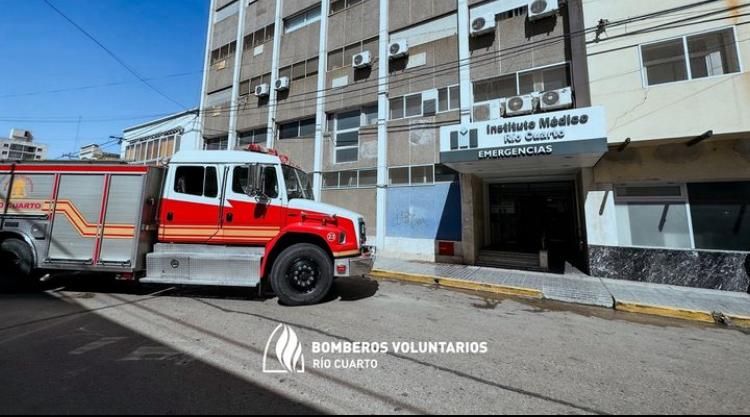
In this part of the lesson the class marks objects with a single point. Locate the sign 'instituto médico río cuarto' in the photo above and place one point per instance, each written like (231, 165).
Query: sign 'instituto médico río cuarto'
(564, 133)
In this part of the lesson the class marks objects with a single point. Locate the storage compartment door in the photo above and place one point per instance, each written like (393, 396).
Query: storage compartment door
(121, 220)
(74, 231)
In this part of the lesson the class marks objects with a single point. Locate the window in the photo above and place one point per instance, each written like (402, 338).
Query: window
(691, 57)
(370, 115)
(216, 144)
(413, 105)
(298, 184)
(245, 88)
(258, 37)
(346, 136)
(541, 79)
(720, 214)
(363, 178)
(302, 19)
(665, 62)
(241, 180)
(339, 5)
(449, 98)
(544, 79)
(342, 57)
(197, 181)
(304, 128)
(653, 216)
(421, 175)
(154, 148)
(223, 52)
(397, 108)
(255, 136)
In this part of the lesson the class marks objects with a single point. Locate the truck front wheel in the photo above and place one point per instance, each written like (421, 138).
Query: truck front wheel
(302, 275)
(16, 261)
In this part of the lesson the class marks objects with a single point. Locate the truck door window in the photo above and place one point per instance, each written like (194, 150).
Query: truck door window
(198, 181)
(241, 181)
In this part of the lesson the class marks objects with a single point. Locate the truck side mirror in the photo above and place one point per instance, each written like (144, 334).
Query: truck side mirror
(258, 183)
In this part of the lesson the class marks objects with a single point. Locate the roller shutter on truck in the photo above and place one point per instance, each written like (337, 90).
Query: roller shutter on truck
(82, 216)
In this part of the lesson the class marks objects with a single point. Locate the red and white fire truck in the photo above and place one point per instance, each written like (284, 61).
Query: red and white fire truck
(229, 218)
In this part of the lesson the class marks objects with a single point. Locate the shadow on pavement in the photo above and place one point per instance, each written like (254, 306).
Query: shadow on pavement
(55, 357)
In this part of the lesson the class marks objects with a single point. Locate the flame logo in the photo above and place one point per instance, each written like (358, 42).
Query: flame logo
(288, 351)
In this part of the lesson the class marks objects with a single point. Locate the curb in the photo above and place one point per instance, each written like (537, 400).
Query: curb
(457, 284)
(627, 307)
(671, 312)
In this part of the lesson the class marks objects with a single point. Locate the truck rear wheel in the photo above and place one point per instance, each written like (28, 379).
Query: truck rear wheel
(302, 275)
(16, 261)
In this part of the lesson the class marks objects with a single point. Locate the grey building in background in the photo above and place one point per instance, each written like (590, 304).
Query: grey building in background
(20, 146)
(400, 109)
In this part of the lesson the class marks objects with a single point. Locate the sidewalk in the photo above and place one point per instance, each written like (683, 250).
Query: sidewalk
(710, 306)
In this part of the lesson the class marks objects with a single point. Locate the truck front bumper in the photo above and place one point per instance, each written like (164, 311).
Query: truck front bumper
(354, 267)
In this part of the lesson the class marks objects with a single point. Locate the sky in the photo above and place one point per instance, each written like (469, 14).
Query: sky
(162, 40)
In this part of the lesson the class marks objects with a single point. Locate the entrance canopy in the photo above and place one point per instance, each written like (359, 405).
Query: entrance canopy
(542, 143)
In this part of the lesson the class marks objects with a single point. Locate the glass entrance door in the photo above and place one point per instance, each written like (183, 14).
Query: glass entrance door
(531, 217)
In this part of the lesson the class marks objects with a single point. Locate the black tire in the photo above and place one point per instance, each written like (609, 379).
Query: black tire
(16, 261)
(302, 275)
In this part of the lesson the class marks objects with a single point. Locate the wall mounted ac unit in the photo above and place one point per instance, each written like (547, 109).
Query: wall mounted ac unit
(262, 90)
(519, 105)
(398, 49)
(556, 99)
(481, 25)
(489, 110)
(539, 9)
(362, 59)
(282, 84)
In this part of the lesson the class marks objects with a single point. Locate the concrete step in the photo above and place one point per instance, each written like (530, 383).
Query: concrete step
(509, 260)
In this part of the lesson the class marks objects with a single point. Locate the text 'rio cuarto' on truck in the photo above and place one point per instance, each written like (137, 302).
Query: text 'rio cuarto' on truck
(228, 218)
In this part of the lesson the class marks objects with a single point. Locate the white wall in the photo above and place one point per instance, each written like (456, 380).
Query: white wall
(678, 110)
(190, 140)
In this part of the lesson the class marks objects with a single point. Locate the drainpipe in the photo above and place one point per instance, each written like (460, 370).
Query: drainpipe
(206, 69)
(234, 103)
(383, 38)
(320, 115)
(277, 31)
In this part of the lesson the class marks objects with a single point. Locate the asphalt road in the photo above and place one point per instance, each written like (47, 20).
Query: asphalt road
(94, 347)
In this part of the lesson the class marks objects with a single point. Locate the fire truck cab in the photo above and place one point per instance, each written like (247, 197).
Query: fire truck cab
(229, 218)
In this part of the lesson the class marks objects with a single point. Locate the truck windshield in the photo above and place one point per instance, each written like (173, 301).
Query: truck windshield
(298, 183)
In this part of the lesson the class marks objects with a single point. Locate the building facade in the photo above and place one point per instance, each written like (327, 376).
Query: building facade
(156, 141)
(670, 201)
(20, 146)
(465, 131)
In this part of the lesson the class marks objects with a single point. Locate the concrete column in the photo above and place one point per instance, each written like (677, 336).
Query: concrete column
(472, 217)
(206, 70)
(579, 62)
(234, 103)
(320, 115)
(382, 189)
(278, 29)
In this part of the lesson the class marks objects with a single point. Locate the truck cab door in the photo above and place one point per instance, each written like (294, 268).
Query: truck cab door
(249, 219)
(191, 207)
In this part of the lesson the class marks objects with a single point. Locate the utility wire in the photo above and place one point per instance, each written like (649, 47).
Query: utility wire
(113, 55)
(476, 60)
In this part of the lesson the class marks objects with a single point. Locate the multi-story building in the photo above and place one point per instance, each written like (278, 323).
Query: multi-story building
(94, 152)
(396, 107)
(156, 141)
(670, 201)
(20, 146)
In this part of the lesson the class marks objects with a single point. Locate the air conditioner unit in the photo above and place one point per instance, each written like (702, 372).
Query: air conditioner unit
(539, 9)
(262, 90)
(397, 49)
(282, 84)
(489, 110)
(556, 99)
(481, 25)
(519, 105)
(362, 59)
